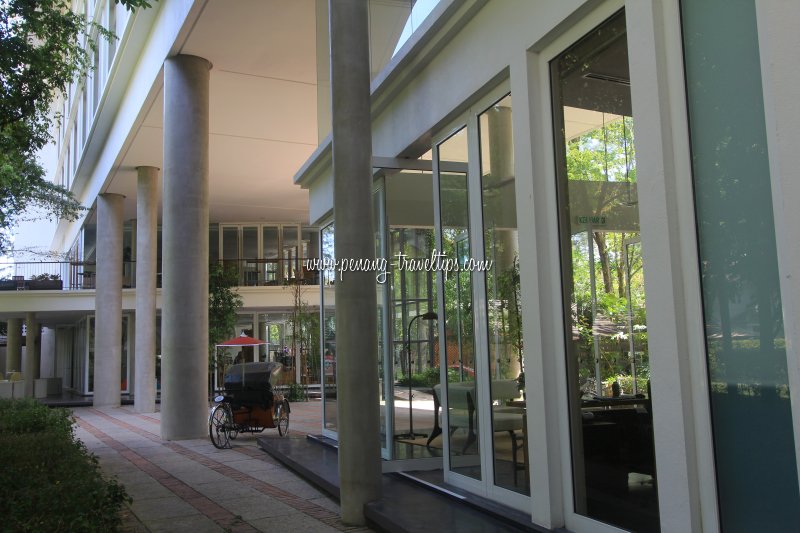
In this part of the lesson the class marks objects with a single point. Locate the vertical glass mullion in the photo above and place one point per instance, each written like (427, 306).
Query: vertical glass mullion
(479, 319)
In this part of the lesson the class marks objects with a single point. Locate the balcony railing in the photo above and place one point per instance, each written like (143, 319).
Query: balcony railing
(271, 272)
(77, 275)
(56, 275)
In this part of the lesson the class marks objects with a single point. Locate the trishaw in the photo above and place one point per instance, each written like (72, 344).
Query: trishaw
(248, 404)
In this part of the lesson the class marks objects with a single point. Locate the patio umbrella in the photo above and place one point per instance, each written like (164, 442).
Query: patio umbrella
(241, 340)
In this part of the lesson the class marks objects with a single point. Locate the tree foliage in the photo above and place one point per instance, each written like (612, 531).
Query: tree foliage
(223, 303)
(44, 46)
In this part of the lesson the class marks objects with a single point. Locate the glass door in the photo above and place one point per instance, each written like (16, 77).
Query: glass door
(460, 397)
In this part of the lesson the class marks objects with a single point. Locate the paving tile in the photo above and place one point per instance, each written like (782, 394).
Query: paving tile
(188, 524)
(296, 523)
(198, 475)
(253, 465)
(159, 508)
(254, 507)
(326, 503)
(302, 489)
(134, 477)
(144, 491)
(225, 490)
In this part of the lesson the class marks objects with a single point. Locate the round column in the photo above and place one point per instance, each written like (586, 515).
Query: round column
(184, 295)
(108, 302)
(14, 345)
(146, 271)
(356, 308)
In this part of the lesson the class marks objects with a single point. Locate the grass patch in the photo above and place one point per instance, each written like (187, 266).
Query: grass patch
(49, 481)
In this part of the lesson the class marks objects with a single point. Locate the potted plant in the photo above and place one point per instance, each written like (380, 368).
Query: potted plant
(43, 282)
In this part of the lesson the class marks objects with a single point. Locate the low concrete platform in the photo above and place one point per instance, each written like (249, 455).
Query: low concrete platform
(409, 503)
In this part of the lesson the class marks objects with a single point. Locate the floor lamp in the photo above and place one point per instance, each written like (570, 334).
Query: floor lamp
(430, 315)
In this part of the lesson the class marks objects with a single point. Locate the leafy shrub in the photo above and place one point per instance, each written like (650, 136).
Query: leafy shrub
(46, 277)
(296, 393)
(49, 481)
(626, 384)
(427, 378)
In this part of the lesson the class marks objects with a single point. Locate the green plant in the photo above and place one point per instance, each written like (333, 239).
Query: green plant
(46, 277)
(49, 481)
(296, 393)
(223, 303)
(427, 378)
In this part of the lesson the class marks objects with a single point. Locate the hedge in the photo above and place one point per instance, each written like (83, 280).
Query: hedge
(48, 480)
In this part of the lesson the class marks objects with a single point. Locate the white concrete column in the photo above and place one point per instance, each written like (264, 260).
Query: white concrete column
(356, 308)
(14, 345)
(146, 255)
(184, 308)
(31, 373)
(108, 302)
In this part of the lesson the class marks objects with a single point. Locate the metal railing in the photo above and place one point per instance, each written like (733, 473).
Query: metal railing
(271, 272)
(78, 275)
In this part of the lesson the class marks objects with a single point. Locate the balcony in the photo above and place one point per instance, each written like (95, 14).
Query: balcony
(80, 275)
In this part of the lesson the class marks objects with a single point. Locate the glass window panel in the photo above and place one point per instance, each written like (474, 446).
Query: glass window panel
(291, 250)
(230, 249)
(329, 333)
(271, 254)
(751, 414)
(459, 342)
(504, 318)
(309, 250)
(213, 243)
(606, 329)
(251, 264)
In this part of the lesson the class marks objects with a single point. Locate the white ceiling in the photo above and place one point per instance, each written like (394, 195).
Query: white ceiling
(263, 110)
(263, 104)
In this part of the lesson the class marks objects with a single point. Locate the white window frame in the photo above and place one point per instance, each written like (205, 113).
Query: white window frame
(682, 430)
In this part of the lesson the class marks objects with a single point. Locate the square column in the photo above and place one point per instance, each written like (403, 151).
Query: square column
(144, 384)
(184, 295)
(108, 302)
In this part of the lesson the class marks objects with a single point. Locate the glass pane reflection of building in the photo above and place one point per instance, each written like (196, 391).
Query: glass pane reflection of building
(606, 333)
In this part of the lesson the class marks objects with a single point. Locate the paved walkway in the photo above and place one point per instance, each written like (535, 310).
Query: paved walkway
(192, 486)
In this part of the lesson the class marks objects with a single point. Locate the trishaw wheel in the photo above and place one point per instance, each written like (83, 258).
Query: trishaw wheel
(282, 414)
(219, 426)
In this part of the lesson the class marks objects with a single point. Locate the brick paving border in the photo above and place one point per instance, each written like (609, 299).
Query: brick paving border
(308, 508)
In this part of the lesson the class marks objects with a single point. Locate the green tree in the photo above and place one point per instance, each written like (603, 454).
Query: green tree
(44, 46)
(223, 303)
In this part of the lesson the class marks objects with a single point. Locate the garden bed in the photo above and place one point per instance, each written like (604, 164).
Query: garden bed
(49, 481)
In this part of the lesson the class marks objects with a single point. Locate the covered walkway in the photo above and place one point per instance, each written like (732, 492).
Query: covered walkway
(192, 486)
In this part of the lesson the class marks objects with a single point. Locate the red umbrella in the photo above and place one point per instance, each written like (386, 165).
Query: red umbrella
(242, 340)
